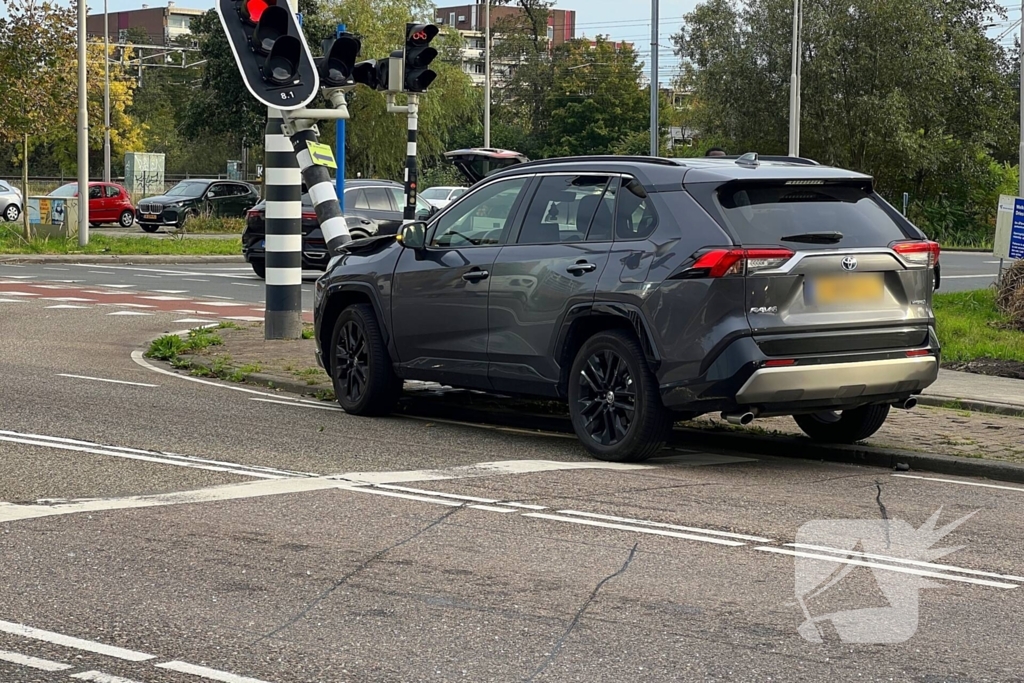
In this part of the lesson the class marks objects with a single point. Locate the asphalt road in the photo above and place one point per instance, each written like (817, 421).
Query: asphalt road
(963, 271)
(166, 529)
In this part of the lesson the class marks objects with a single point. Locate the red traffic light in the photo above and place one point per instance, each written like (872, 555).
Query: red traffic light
(252, 10)
(421, 34)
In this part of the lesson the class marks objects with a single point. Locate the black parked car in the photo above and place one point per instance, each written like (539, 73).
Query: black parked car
(642, 291)
(372, 207)
(225, 198)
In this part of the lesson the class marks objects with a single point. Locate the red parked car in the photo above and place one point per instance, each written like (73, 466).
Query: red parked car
(108, 203)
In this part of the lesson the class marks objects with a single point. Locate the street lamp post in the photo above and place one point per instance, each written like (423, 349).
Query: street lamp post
(655, 137)
(794, 82)
(106, 94)
(83, 134)
(487, 73)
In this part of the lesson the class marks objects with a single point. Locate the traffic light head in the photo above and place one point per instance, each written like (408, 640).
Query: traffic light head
(418, 56)
(337, 65)
(270, 51)
(366, 73)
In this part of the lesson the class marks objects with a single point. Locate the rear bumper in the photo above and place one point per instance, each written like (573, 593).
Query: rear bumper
(837, 382)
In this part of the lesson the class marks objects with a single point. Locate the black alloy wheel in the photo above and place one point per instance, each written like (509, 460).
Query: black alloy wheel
(607, 399)
(351, 361)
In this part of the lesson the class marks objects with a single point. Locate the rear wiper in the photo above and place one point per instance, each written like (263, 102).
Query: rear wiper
(815, 237)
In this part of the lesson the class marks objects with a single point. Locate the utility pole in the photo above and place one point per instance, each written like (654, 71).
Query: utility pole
(83, 135)
(106, 94)
(655, 137)
(794, 82)
(487, 73)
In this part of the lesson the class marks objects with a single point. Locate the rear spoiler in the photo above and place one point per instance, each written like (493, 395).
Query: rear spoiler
(803, 161)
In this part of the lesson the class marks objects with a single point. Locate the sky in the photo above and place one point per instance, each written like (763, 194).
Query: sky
(593, 17)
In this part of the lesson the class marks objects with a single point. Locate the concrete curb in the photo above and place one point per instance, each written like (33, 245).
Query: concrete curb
(939, 401)
(116, 258)
(724, 441)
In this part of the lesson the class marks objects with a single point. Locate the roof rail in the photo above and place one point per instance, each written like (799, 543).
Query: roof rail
(776, 158)
(636, 159)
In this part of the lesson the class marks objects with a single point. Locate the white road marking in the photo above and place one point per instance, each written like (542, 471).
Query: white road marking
(245, 318)
(100, 677)
(962, 483)
(217, 303)
(66, 306)
(482, 469)
(298, 405)
(162, 458)
(437, 494)
(192, 279)
(11, 301)
(112, 381)
(117, 286)
(490, 508)
(129, 305)
(68, 298)
(661, 525)
(155, 277)
(165, 298)
(900, 560)
(171, 291)
(966, 277)
(101, 272)
(407, 496)
(21, 294)
(129, 313)
(75, 643)
(47, 286)
(636, 529)
(33, 662)
(20, 277)
(888, 567)
(526, 506)
(54, 268)
(215, 296)
(105, 293)
(208, 673)
(244, 284)
(195, 320)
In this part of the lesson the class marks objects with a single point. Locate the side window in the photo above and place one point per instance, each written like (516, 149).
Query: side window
(95, 192)
(377, 198)
(635, 218)
(359, 200)
(218, 190)
(398, 197)
(562, 209)
(481, 218)
(112, 191)
(456, 193)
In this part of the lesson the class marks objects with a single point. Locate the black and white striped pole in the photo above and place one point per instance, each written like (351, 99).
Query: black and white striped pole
(283, 251)
(411, 170)
(320, 186)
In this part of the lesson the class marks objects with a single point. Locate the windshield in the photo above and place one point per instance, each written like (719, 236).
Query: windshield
(435, 193)
(187, 190)
(762, 214)
(69, 190)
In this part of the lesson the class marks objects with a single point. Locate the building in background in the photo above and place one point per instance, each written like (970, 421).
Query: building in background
(161, 25)
(468, 20)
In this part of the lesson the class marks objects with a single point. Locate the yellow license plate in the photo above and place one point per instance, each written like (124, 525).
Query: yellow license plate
(860, 288)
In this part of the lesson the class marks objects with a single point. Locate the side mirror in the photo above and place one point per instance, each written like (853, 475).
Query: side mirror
(412, 235)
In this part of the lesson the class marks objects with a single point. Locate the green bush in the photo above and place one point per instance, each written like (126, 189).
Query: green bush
(166, 347)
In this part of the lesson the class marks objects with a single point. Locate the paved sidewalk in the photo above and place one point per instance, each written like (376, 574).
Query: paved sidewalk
(967, 388)
(291, 366)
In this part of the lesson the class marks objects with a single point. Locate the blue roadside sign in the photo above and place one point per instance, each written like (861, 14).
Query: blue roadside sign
(1017, 230)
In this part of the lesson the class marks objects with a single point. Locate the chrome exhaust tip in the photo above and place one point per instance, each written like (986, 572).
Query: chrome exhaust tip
(907, 404)
(742, 419)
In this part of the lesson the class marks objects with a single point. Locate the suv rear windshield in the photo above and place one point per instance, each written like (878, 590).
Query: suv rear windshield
(764, 213)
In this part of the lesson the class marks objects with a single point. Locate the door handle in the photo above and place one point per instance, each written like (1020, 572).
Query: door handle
(581, 267)
(475, 275)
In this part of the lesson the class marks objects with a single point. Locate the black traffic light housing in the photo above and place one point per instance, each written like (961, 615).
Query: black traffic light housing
(337, 65)
(418, 56)
(367, 74)
(270, 51)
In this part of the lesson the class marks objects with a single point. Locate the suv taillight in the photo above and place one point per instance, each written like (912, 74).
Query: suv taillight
(723, 262)
(309, 215)
(919, 253)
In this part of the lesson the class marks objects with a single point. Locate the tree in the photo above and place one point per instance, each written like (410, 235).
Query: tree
(912, 92)
(37, 68)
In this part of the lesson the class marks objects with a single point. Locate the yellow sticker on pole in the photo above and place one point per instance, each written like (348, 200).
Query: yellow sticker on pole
(321, 154)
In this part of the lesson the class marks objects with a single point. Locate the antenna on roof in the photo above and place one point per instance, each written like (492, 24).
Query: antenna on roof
(749, 160)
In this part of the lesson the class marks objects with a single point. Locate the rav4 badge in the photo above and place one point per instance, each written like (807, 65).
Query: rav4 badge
(765, 309)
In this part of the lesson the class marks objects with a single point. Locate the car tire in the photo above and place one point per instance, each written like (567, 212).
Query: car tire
(364, 381)
(126, 219)
(12, 213)
(635, 425)
(149, 228)
(847, 426)
(260, 268)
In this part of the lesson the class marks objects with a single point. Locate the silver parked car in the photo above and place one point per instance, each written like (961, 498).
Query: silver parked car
(441, 197)
(11, 202)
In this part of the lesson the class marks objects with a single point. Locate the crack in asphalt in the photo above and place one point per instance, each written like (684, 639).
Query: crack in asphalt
(885, 513)
(579, 614)
(344, 579)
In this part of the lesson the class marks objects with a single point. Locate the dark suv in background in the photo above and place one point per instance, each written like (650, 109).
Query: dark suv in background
(644, 291)
(372, 207)
(222, 198)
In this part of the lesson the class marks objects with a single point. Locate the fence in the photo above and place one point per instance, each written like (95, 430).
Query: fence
(42, 185)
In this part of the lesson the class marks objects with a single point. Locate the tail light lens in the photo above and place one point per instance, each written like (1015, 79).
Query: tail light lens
(724, 262)
(919, 253)
(309, 215)
(252, 212)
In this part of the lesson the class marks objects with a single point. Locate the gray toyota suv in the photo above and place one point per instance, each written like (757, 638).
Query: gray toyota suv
(644, 291)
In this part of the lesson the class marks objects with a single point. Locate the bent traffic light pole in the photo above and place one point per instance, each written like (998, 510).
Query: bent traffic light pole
(283, 249)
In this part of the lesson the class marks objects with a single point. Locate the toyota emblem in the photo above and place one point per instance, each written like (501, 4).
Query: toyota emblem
(849, 263)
